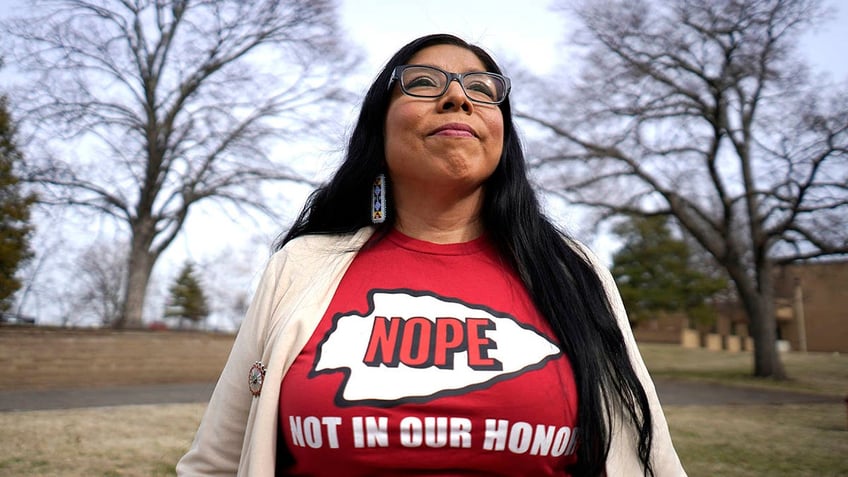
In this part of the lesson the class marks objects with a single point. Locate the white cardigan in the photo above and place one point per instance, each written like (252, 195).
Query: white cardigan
(238, 432)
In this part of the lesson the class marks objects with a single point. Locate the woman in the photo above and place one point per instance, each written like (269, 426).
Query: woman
(453, 331)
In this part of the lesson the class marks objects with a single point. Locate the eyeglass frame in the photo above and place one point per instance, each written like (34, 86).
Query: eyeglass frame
(398, 71)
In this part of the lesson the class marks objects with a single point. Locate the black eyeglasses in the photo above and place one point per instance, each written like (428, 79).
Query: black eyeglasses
(424, 81)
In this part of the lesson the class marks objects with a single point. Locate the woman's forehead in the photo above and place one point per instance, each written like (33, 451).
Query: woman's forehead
(448, 57)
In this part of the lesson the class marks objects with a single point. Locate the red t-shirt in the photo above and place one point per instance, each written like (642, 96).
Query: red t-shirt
(430, 360)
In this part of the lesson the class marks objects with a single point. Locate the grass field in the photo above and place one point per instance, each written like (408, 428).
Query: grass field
(750, 440)
(819, 373)
(737, 441)
(114, 441)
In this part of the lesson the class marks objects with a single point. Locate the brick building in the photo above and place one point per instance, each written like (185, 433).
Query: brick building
(811, 308)
(812, 301)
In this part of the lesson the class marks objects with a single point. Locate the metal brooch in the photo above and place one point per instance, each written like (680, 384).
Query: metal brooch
(255, 378)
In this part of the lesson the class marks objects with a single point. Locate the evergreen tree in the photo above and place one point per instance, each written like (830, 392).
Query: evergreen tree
(187, 300)
(15, 228)
(655, 273)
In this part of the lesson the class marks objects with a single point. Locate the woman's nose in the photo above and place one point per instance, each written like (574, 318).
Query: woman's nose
(455, 98)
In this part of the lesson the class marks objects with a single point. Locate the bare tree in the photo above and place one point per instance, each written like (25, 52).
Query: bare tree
(703, 111)
(101, 276)
(230, 274)
(169, 103)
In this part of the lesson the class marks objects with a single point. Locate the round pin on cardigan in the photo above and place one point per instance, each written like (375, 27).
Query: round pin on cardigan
(255, 378)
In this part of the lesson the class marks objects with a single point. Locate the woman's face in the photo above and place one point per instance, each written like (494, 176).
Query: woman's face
(444, 143)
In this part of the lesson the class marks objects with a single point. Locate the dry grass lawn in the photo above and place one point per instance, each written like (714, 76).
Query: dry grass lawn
(820, 373)
(113, 441)
(730, 441)
(745, 441)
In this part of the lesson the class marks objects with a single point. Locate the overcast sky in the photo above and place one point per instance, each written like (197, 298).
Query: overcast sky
(525, 31)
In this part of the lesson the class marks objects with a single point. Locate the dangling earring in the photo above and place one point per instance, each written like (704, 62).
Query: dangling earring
(378, 200)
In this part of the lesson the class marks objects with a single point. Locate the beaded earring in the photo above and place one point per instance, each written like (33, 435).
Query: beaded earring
(378, 200)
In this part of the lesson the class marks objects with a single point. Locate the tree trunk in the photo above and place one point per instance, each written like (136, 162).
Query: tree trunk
(759, 304)
(140, 266)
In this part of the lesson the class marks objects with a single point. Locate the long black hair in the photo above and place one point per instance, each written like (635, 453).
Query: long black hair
(562, 283)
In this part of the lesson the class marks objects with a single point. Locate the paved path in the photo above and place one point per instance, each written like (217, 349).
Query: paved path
(679, 392)
(672, 392)
(31, 400)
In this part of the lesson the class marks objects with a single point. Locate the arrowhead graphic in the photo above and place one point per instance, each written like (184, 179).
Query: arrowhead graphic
(397, 351)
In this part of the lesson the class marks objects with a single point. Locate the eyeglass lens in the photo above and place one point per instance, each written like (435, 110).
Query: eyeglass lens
(430, 82)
